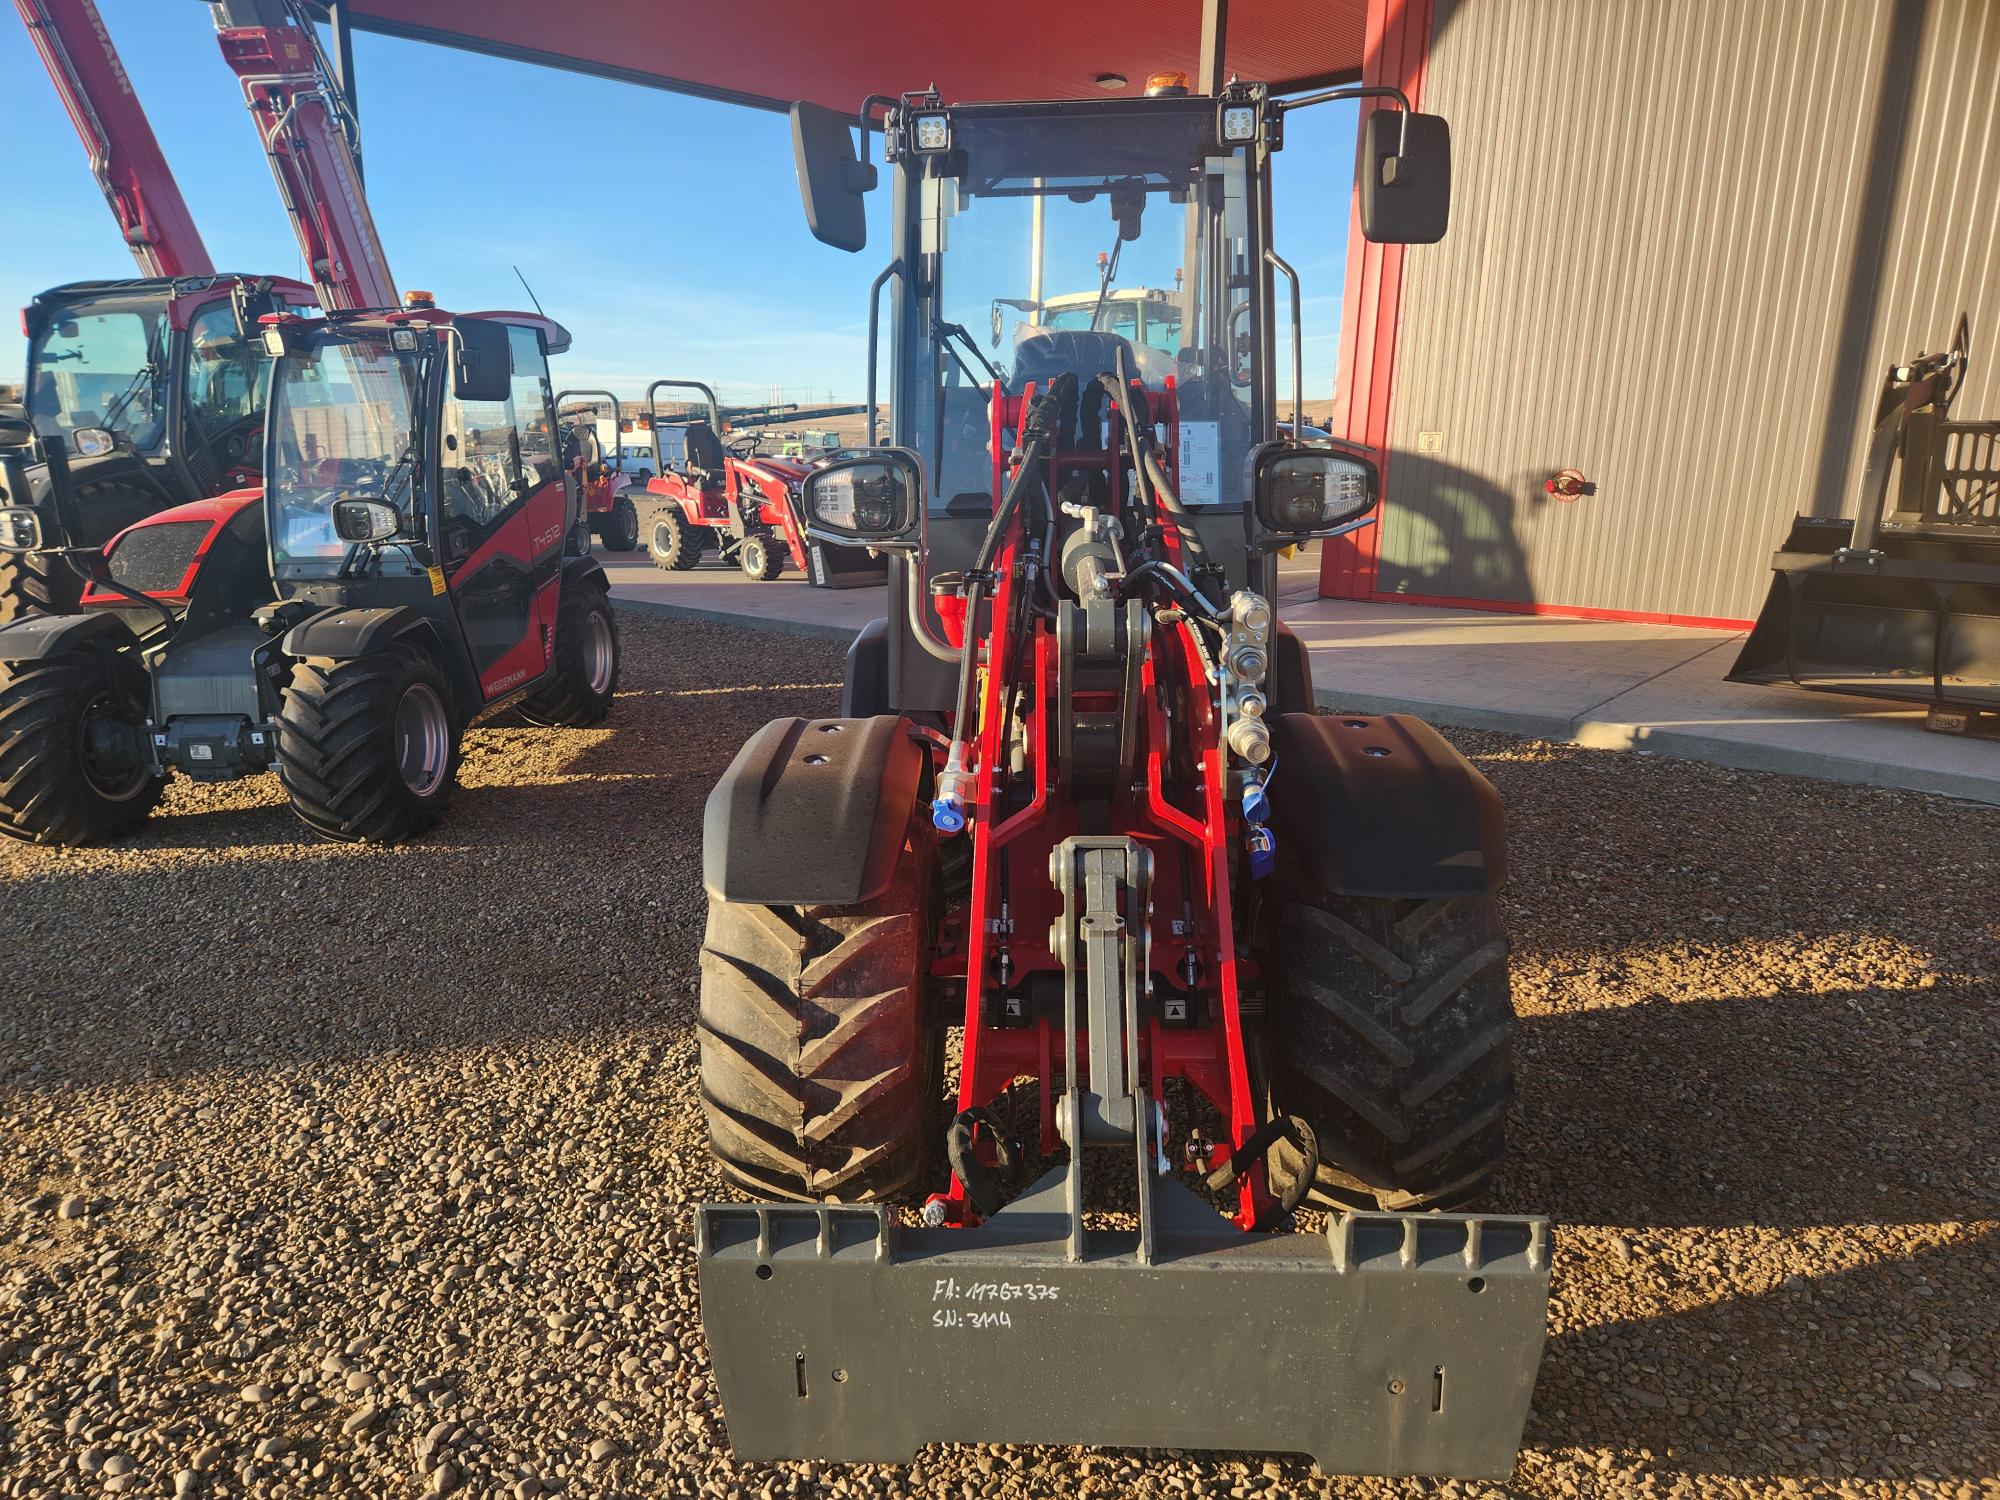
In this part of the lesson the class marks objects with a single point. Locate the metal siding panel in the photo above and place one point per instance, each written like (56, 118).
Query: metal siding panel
(1688, 239)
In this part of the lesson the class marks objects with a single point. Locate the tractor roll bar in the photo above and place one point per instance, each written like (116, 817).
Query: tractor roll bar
(653, 410)
(562, 396)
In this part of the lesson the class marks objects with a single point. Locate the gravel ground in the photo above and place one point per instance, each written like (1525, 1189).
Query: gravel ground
(331, 1171)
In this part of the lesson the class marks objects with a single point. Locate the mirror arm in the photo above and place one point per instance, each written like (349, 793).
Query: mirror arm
(1354, 91)
(1298, 347)
(894, 268)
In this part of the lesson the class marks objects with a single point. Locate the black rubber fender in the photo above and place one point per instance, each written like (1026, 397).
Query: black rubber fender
(812, 812)
(343, 634)
(39, 637)
(1384, 805)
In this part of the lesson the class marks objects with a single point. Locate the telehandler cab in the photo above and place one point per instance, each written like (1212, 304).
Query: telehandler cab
(1078, 805)
(141, 394)
(401, 572)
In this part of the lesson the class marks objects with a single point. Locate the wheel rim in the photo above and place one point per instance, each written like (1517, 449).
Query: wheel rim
(753, 556)
(600, 655)
(423, 738)
(663, 538)
(108, 750)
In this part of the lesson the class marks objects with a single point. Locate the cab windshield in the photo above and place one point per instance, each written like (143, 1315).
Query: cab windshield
(343, 426)
(103, 368)
(1059, 242)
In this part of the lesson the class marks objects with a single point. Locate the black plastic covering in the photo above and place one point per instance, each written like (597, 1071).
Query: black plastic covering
(1382, 805)
(346, 633)
(38, 637)
(812, 812)
(865, 691)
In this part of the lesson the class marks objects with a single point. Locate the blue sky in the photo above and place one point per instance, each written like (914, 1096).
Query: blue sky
(685, 255)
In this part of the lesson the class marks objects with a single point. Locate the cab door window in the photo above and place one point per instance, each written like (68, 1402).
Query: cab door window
(225, 376)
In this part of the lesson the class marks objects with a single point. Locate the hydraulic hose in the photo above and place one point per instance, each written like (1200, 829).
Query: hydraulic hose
(1147, 469)
(1037, 432)
(983, 1184)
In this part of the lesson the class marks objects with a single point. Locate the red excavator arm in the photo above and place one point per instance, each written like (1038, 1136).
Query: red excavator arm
(124, 156)
(304, 123)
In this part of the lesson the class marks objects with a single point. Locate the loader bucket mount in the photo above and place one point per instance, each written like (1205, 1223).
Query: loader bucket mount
(1901, 601)
(1392, 1344)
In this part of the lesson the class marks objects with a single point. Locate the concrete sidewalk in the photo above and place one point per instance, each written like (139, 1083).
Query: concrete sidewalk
(1656, 689)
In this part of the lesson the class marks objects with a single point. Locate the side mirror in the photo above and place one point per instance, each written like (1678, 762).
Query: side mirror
(485, 367)
(872, 501)
(1308, 492)
(365, 520)
(1404, 169)
(92, 442)
(20, 530)
(832, 179)
(16, 431)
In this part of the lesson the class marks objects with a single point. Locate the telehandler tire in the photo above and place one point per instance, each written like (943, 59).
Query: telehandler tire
(819, 1063)
(673, 544)
(1395, 1043)
(368, 746)
(73, 762)
(584, 674)
(31, 585)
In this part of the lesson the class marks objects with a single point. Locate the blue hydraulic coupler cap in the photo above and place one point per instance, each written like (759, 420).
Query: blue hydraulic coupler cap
(1262, 845)
(1256, 806)
(948, 815)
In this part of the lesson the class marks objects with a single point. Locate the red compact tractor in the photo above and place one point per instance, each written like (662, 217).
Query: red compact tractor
(741, 506)
(1238, 957)
(608, 512)
(401, 573)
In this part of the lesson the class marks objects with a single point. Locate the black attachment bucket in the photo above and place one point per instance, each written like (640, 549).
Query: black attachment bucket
(1902, 603)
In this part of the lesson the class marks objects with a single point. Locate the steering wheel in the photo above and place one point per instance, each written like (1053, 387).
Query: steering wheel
(747, 445)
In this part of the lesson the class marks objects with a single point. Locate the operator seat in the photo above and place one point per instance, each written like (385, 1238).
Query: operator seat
(705, 458)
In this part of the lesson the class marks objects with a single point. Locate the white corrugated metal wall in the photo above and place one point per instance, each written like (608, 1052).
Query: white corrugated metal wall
(1687, 238)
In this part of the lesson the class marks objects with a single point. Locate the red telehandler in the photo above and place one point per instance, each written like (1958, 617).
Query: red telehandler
(1077, 805)
(142, 393)
(400, 568)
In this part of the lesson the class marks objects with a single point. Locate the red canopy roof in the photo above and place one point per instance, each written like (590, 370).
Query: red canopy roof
(836, 52)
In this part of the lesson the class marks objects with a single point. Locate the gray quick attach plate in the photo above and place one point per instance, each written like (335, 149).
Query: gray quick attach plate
(1393, 1344)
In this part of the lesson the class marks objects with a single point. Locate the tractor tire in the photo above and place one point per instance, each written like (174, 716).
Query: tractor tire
(819, 1063)
(583, 676)
(760, 558)
(619, 531)
(368, 747)
(1395, 1043)
(73, 762)
(673, 544)
(33, 585)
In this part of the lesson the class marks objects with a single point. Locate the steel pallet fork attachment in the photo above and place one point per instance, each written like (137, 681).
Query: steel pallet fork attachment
(1393, 1344)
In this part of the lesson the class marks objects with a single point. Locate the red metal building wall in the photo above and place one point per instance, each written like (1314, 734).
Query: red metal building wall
(1396, 43)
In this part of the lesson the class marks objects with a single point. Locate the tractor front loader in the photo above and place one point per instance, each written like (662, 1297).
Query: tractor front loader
(734, 502)
(401, 572)
(1211, 958)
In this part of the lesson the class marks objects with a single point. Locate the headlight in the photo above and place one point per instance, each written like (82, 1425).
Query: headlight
(931, 132)
(1239, 122)
(20, 530)
(865, 501)
(1310, 491)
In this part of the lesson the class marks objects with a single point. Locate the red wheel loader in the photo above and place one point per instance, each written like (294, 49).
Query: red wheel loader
(1209, 957)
